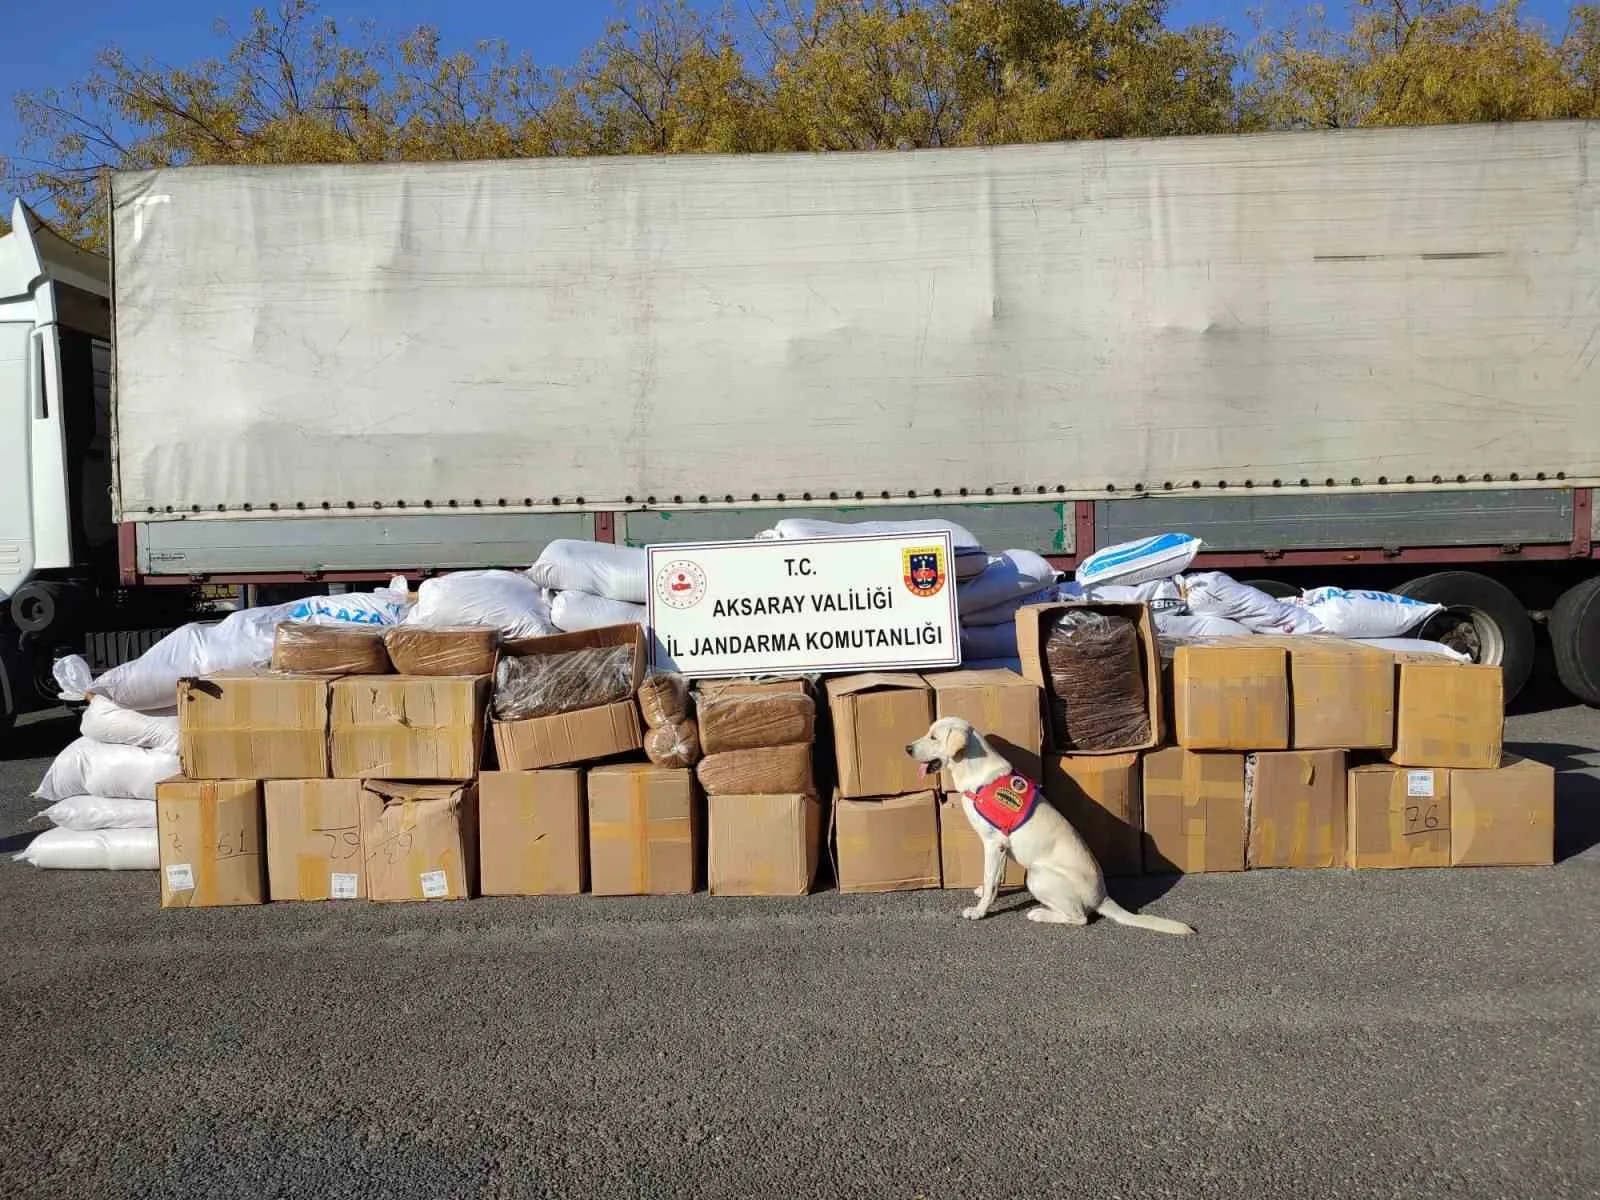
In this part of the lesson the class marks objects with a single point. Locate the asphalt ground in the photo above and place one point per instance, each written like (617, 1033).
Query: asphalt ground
(1327, 1033)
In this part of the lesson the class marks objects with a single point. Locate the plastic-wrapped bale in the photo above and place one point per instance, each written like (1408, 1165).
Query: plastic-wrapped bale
(676, 744)
(329, 649)
(449, 650)
(542, 685)
(664, 700)
(751, 722)
(1098, 695)
(770, 771)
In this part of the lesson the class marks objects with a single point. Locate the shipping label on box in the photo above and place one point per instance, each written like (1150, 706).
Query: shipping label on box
(1101, 795)
(1503, 817)
(1295, 803)
(961, 851)
(253, 725)
(314, 838)
(210, 843)
(408, 726)
(645, 831)
(763, 845)
(1231, 695)
(422, 844)
(1034, 623)
(1448, 714)
(582, 735)
(1002, 706)
(1398, 817)
(875, 717)
(886, 845)
(1194, 818)
(533, 833)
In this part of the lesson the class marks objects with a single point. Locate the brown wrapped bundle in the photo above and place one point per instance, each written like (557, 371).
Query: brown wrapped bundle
(456, 650)
(542, 685)
(675, 745)
(752, 721)
(1098, 699)
(664, 700)
(708, 689)
(329, 649)
(773, 771)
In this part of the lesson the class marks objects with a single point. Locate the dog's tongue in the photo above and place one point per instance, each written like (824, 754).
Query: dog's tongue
(924, 769)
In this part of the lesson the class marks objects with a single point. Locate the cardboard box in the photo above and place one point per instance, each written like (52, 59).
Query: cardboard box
(408, 726)
(1103, 797)
(253, 725)
(1505, 817)
(1231, 694)
(587, 734)
(1295, 806)
(1341, 694)
(1398, 817)
(1447, 714)
(314, 838)
(1194, 816)
(875, 717)
(961, 851)
(1033, 629)
(1001, 705)
(533, 833)
(422, 843)
(887, 845)
(763, 845)
(210, 834)
(644, 831)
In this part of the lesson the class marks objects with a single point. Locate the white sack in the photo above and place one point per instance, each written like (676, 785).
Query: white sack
(969, 554)
(99, 850)
(1005, 614)
(1132, 563)
(1213, 594)
(88, 813)
(386, 606)
(107, 721)
(1415, 646)
(574, 611)
(72, 676)
(1009, 574)
(1157, 593)
(989, 641)
(1367, 614)
(1175, 624)
(505, 600)
(599, 568)
(88, 768)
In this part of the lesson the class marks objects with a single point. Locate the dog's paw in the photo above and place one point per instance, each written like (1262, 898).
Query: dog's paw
(975, 913)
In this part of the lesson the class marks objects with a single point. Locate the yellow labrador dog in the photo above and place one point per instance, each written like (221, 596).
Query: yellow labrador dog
(1008, 813)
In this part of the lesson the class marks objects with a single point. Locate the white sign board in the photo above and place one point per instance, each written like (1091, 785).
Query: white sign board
(873, 603)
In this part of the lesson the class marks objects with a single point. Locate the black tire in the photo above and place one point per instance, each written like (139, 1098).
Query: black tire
(1575, 638)
(1476, 605)
(1278, 591)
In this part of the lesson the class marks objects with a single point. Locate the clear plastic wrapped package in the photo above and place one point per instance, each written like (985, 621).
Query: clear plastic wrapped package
(542, 685)
(771, 771)
(664, 700)
(750, 722)
(329, 649)
(673, 745)
(1098, 694)
(446, 650)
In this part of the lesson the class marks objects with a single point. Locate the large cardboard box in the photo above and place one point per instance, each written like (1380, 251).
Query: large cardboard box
(1398, 817)
(210, 843)
(253, 725)
(1103, 797)
(1447, 714)
(1295, 801)
(533, 833)
(1231, 694)
(586, 734)
(961, 851)
(1033, 630)
(1341, 694)
(645, 831)
(408, 726)
(314, 838)
(763, 845)
(886, 845)
(422, 843)
(1001, 705)
(1194, 816)
(1505, 817)
(875, 717)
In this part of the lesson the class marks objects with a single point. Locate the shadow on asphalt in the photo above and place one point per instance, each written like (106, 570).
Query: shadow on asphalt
(1577, 794)
(44, 736)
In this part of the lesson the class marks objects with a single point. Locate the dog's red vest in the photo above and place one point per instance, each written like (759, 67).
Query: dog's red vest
(1007, 802)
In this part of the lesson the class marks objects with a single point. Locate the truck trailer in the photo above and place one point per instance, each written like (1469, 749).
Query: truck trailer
(1358, 357)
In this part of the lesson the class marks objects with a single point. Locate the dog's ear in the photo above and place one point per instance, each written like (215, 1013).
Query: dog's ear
(955, 742)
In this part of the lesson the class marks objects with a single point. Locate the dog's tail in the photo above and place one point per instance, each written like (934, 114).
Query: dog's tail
(1111, 910)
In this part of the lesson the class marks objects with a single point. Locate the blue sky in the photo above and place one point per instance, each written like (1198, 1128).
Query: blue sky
(50, 44)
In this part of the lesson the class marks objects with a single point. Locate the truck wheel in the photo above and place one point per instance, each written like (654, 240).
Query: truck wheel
(1575, 638)
(1278, 591)
(1482, 619)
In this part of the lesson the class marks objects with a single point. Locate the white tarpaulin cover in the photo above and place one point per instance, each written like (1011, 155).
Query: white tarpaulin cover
(1366, 304)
